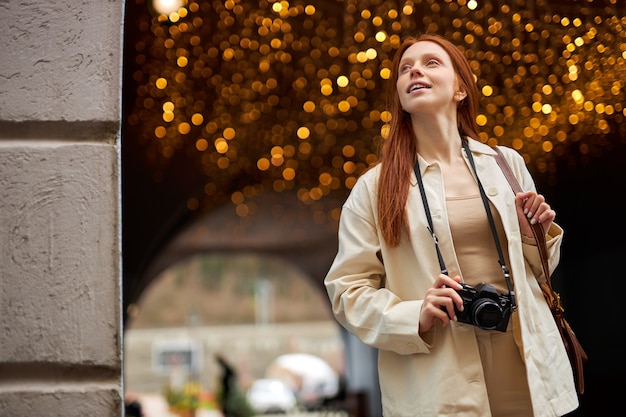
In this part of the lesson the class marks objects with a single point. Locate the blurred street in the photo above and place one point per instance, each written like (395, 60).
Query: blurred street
(154, 405)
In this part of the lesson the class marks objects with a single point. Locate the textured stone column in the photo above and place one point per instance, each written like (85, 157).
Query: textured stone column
(60, 292)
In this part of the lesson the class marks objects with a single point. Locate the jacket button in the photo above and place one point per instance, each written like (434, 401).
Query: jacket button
(412, 345)
(492, 191)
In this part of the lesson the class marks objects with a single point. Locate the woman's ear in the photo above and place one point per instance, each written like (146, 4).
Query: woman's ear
(460, 95)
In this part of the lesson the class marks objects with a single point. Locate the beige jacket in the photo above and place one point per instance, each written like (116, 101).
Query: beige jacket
(376, 293)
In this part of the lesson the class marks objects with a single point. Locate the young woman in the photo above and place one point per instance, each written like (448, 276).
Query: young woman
(436, 213)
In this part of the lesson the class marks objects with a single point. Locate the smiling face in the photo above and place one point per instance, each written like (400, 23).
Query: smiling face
(427, 81)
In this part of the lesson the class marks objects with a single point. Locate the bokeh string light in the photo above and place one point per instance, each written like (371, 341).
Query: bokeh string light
(289, 95)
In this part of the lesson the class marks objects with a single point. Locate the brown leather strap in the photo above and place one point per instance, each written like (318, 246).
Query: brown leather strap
(575, 351)
(537, 228)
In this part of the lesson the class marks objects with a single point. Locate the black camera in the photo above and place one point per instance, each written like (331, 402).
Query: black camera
(484, 307)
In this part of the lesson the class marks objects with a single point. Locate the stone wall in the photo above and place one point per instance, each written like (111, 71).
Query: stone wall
(60, 321)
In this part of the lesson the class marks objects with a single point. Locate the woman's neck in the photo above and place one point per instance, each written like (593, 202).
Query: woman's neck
(437, 140)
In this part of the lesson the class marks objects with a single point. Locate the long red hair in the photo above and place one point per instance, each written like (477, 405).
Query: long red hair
(399, 150)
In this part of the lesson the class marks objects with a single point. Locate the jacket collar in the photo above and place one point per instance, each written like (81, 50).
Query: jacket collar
(479, 147)
(475, 146)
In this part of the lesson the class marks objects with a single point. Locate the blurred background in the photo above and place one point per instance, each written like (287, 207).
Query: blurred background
(246, 124)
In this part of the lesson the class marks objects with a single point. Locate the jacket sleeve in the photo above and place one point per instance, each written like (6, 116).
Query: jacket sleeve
(355, 284)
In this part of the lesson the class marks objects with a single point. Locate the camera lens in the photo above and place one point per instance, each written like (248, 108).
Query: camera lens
(486, 314)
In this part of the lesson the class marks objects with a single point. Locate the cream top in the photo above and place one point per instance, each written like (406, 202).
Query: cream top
(473, 241)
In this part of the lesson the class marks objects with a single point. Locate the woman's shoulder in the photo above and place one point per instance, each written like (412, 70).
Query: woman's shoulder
(370, 175)
(509, 152)
(512, 156)
(366, 185)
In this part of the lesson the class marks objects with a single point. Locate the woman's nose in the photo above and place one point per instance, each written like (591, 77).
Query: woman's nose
(415, 71)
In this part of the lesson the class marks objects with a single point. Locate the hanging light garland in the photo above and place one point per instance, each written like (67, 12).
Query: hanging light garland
(289, 95)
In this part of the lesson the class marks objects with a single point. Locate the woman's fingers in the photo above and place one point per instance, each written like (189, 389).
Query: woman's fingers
(532, 208)
(440, 301)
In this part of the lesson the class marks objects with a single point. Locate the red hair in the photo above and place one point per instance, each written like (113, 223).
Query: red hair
(399, 150)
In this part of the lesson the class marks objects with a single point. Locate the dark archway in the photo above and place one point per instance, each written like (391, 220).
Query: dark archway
(281, 226)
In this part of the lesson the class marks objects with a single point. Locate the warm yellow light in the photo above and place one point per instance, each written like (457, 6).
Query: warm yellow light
(371, 53)
(547, 146)
(184, 128)
(202, 144)
(166, 7)
(277, 151)
(277, 160)
(298, 82)
(168, 116)
(325, 178)
(303, 132)
(517, 143)
(182, 61)
(221, 145)
(309, 106)
(229, 133)
(343, 106)
(384, 131)
(160, 132)
(349, 167)
(289, 174)
(348, 151)
(263, 164)
(197, 119)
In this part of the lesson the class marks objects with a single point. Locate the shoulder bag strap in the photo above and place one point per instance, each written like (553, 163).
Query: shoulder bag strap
(575, 351)
(537, 228)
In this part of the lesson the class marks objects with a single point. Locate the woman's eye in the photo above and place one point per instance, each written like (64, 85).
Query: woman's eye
(432, 62)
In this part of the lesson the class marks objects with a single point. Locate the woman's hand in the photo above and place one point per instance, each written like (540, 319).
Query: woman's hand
(439, 302)
(532, 208)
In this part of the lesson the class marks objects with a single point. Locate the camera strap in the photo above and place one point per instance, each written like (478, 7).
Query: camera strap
(444, 270)
(430, 227)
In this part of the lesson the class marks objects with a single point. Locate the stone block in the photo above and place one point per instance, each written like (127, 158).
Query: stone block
(62, 401)
(61, 60)
(59, 253)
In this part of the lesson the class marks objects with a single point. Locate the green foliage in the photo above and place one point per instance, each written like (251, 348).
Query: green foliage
(237, 404)
(186, 399)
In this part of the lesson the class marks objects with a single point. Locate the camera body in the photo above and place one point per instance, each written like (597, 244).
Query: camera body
(484, 307)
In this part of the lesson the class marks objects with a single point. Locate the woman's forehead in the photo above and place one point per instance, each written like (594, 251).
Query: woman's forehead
(424, 48)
